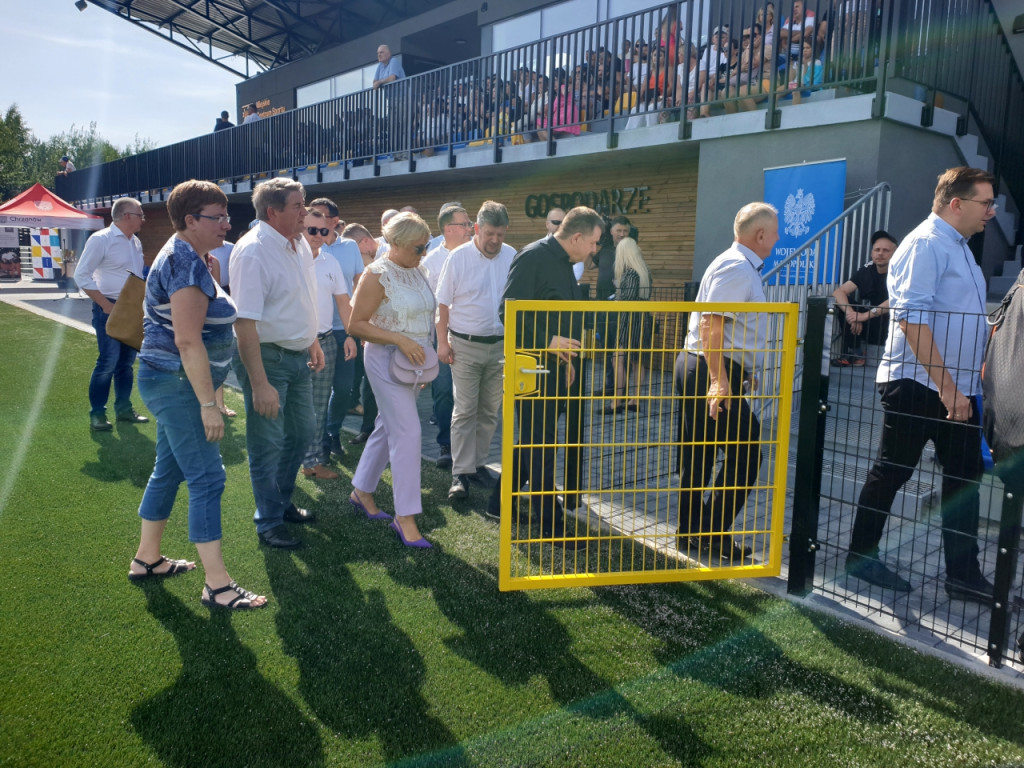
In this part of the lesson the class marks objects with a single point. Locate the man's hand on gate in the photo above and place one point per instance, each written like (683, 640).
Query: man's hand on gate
(563, 348)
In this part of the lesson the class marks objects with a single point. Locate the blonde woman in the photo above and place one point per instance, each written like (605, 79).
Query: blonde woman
(636, 332)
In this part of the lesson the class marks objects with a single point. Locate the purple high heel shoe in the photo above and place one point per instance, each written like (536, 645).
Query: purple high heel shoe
(421, 544)
(355, 502)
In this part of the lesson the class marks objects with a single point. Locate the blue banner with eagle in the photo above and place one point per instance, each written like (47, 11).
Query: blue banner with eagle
(808, 197)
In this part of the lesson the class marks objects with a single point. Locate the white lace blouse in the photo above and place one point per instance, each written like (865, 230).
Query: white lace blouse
(408, 304)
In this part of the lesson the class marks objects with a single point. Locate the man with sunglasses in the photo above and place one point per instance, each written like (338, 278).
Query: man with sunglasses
(930, 387)
(349, 258)
(456, 229)
(109, 255)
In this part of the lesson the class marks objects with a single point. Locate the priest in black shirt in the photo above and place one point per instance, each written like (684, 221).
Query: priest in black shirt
(862, 303)
(543, 271)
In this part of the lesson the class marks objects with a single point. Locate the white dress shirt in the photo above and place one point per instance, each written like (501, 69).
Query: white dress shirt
(471, 285)
(274, 283)
(109, 255)
(433, 263)
(734, 276)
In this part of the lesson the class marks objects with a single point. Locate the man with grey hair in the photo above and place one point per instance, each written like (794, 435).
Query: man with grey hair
(273, 284)
(109, 255)
(722, 355)
(469, 338)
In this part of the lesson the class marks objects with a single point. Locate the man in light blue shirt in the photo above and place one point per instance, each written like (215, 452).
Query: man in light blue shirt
(929, 385)
(389, 68)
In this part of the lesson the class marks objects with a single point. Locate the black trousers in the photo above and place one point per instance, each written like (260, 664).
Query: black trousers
(735, 434)
(534, 456)
(914, 414)
(875, 331)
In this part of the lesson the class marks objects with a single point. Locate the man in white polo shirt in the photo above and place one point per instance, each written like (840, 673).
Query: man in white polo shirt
(109, 255)
(274, 287)
(469, 338)
(722, 356)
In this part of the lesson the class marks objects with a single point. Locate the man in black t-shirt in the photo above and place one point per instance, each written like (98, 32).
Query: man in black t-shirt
(862, 303)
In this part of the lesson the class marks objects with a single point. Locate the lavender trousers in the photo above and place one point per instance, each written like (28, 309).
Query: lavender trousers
(396, 435)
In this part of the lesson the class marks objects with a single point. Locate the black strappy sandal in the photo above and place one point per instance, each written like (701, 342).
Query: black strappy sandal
(241, 603)
(177, 566)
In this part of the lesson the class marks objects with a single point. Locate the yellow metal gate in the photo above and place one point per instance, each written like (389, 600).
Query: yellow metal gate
(594, 481)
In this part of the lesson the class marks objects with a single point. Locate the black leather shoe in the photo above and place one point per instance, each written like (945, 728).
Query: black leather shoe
(460, 487)
(359, 439)
(279, 539)
(976, 589)
(99, 423)
(877, 573)
(298, 515)
(131, 417)
(336, 448)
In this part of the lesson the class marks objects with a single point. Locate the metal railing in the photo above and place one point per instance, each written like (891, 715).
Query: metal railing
(562, 86)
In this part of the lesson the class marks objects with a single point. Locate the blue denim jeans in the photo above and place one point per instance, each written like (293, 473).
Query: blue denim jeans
(182, 453)
(442, 393)
(276, 446)
(114, 363)
(341, 392)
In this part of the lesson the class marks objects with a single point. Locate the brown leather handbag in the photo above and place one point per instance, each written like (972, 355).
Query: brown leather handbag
(124, 322)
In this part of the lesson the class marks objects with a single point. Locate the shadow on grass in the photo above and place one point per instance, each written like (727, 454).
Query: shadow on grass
(722, 649)
(359, 672)
(989, 707)
(513, 638)
(127, 453)
(220, 711)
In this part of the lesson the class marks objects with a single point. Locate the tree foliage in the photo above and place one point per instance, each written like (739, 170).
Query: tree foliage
(26, 159)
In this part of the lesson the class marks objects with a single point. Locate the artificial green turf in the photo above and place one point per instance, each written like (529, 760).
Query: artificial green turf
(370, 653)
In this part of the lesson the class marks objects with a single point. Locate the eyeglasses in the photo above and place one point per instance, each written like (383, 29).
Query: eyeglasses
(322, 231)
(221, 219)
(420, 249)
(142, 216)
(991, 205)
(460, 223)
(555, 222)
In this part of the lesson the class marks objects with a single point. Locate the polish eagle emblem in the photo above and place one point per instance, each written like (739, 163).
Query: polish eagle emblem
(798, 213)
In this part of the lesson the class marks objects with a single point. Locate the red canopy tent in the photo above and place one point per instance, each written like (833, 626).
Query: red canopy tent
(37, 208)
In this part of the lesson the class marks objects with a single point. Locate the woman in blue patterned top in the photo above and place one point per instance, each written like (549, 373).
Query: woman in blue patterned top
(184, 358)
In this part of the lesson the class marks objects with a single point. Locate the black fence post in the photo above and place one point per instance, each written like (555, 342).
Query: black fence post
(810, 448)
(1006, 565)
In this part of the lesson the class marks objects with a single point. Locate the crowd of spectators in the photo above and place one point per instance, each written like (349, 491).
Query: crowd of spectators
(639, 82)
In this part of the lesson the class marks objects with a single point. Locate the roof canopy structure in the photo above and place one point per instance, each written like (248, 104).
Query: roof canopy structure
(37, 207)
(264, 33)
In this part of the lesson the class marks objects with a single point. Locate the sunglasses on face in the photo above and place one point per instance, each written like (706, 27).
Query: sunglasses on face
(322, 231)
(555, 222)
(420, 249)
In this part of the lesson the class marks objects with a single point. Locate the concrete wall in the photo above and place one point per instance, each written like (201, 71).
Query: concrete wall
(731, 173)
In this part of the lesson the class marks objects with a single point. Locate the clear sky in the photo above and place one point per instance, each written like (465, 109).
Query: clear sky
(66, 66)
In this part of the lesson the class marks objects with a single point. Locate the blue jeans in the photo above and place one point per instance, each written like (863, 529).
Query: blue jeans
(341, 393)
(441, 390)
(115, 363)
(276, 446)
(182, 453)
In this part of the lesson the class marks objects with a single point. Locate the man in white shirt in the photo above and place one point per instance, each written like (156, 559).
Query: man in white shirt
(469, 338)
(274, 287)
(723, 354)
(347, 254)
(456, 229)
(109, 255)
(332, 298)
(249, 114)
